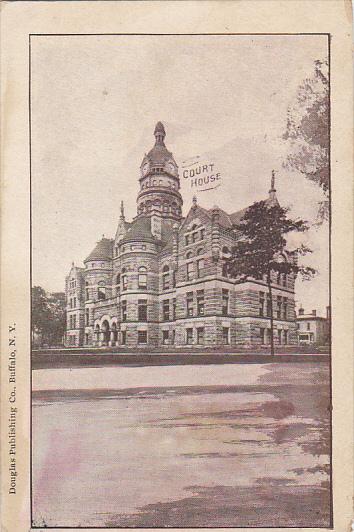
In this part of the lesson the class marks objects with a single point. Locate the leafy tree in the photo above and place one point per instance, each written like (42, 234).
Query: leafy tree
(48, 316)
(307, 132)
(260, 252)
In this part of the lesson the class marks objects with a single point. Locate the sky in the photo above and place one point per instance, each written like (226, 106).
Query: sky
(95, 101)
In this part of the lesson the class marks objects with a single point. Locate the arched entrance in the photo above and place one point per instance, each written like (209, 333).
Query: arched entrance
(105, 333)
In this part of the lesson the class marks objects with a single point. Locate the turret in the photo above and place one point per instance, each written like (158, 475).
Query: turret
(159, 181)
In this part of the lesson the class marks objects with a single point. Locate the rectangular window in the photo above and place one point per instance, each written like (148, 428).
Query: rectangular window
(142, 280)
(200, 268)
(189, 336)
(123, 337)
(225, 302)
(262, 335)
(261, 303)
(86, 338)
(268, 306)
(142, 337)
(200, 302)
(174, 309)
(285, 279)
(124, 310)
(87, 293)
(74, 302)
(74, 322)
(165, 337)
(187, 240)
(285, 337)
(190, 270)
(173, 279)
(279, 336)
(189, 303)
(166, 310)
(308, 326)
(200, 335)
(142, 309)
(124, 282)
(279, 305)
(101, 292)
(202, 234)
(285, 308)
(87, 317)
(165, 280)
(225, 335)
(194, 237)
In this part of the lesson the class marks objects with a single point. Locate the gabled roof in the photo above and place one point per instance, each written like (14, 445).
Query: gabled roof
(102, 251)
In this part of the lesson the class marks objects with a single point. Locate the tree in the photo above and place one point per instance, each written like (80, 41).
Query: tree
(48, 316)
(307, 132)
(261, 252)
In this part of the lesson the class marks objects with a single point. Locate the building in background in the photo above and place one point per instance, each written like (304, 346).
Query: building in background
(162, 279)
(313, 329)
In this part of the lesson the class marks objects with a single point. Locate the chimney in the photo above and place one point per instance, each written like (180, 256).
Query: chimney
(313, 313)
(301, 311)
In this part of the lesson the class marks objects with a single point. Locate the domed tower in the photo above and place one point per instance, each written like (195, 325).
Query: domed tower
(159, 182)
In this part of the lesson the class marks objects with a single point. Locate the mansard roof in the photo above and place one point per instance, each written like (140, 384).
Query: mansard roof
(102, 251)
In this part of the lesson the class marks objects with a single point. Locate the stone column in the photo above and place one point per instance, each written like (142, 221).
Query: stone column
(112, 341)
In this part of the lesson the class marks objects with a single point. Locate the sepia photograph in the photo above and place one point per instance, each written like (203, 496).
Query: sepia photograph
(181, 280)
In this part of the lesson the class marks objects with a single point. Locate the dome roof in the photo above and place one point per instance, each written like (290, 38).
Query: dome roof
(102, 251)
(159, 154)
(139, 230)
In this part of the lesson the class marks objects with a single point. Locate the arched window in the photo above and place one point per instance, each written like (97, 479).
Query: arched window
(200, 251)
(101, 292)
(124, 279)
(142, 277)
(189, 255)
(225, 250)
(165, 277)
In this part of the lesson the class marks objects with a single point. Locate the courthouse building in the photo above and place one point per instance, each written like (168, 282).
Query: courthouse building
(162, 279)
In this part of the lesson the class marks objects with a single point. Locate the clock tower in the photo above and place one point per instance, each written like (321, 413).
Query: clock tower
(159, 182)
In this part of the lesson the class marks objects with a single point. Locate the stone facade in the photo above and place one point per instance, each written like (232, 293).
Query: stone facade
(162, 280)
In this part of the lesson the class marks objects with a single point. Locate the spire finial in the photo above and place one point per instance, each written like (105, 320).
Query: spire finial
(159, 133)
(122, 209)
(272, 184)
(194, 201)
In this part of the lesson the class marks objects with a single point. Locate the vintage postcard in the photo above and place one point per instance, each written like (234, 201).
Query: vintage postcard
(176, 265)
